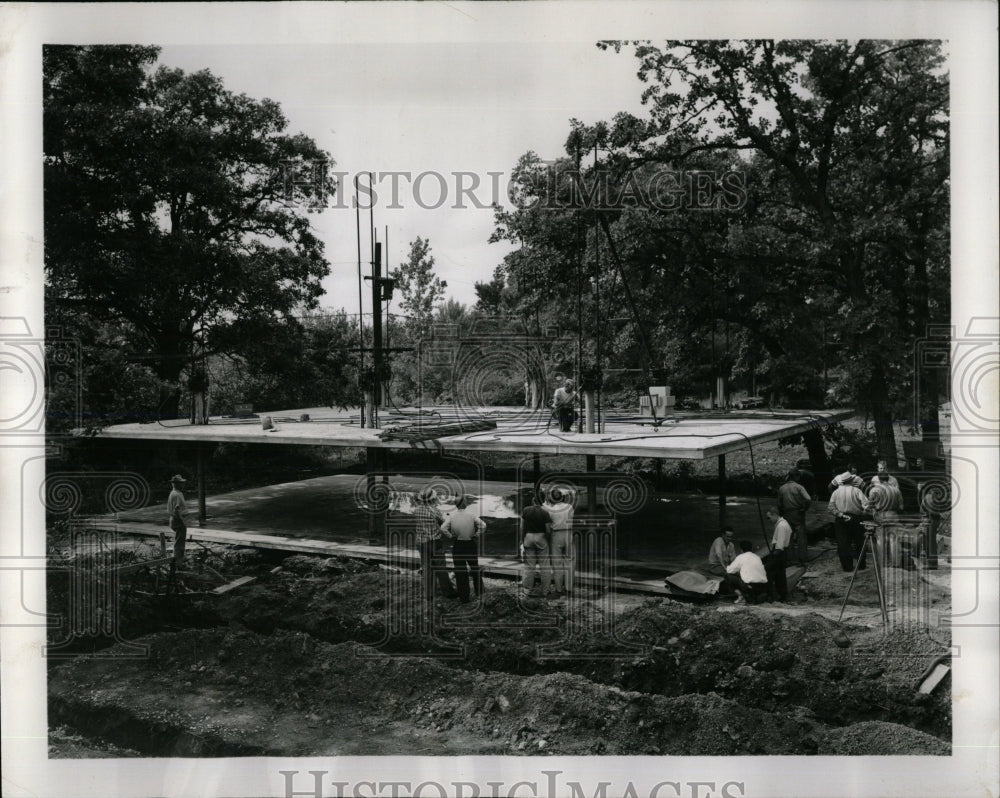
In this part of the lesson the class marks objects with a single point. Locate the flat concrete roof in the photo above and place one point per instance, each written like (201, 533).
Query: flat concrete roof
(681, 436)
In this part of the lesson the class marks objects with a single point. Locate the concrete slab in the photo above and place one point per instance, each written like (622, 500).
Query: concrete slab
(682, 436)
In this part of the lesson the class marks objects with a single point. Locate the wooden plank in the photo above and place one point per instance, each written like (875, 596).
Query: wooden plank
(135, 566)
(491, 566)
(243, 580)
(934, 678)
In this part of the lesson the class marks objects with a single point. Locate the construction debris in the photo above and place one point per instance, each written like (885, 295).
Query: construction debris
(426, 432)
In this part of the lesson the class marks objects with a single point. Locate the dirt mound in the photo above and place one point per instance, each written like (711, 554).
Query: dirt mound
(306, 565)
(316, 697)
(333, 656)
(64, 744)
(873, 738)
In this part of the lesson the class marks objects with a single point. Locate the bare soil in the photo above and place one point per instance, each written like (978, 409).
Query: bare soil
(334, 656)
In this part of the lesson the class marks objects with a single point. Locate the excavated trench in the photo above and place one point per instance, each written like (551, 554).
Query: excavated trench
(317, 659)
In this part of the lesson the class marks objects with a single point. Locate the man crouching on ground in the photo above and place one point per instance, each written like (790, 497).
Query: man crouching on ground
(750, 576)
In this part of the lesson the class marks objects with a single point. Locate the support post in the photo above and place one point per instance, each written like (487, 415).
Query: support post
(200, 461)
(369, 408)
(377, 367)
(376, 520)
(722, 491)
(930, 544)
(589, 407)
(591, 485)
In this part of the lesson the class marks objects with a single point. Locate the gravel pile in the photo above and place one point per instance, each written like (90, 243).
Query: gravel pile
(875, 738)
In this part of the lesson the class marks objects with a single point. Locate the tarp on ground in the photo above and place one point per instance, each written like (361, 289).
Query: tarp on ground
(694, 582)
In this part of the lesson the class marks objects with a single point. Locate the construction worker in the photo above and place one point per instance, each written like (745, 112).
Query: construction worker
(430, 544)
(536, 526)
(850, 476)
(559, 506)
(722, 552)
(177, 511)
(883, 477)
(777, 560)
(848, 506)
(793, 501)
(562, 405)
(750, 575)
(466, 531)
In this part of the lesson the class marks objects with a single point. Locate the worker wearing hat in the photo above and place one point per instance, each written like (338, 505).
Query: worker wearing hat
(177, 510)
(430, 544)
(848, 505)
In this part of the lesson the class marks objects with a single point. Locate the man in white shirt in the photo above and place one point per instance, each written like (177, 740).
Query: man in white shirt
(777, 560)
(466, 530)
(884, 495)
(752, 577)
(883, 477)
(560, 507)
(177, 511)
(848, 505)
(562, 405)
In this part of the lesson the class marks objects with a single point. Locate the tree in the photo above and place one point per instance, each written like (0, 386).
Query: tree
(853, 139)
(420, 289)
(165, 207)
(304, 363)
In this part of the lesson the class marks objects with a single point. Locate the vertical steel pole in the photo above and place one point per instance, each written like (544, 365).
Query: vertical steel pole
(722, 491)
(200, 460)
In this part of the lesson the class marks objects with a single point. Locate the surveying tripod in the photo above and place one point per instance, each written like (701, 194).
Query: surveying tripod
(870, 543)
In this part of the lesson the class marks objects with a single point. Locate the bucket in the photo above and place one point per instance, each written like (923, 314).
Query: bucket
(266, 423)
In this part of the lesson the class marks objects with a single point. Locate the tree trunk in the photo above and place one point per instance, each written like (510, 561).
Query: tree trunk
(929, 376)
(819, 462)
(885, 434)
(929, 386)
(172, 353)
(877, 394)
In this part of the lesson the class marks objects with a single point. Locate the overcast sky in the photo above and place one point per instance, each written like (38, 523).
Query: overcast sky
(425, 108)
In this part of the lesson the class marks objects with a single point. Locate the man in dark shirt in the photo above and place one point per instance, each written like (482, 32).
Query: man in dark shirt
(430, 544)
(793, 501)
(536, 525)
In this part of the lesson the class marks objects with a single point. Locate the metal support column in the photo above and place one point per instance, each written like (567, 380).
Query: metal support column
(376, 519)
(200, 465)
(930, 541)
(722, 491)
(591, 485)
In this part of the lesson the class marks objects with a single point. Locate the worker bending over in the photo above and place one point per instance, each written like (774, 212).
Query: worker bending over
(748, 575)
